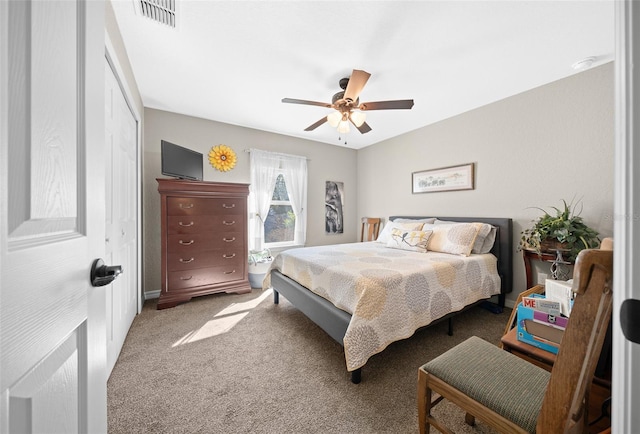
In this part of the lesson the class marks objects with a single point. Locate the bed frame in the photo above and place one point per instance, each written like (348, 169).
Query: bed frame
(335, 321)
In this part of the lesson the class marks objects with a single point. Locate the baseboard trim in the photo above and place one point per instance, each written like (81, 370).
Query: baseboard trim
(150, 295)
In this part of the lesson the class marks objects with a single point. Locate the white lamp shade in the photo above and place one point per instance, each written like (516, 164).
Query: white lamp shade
(343, 127)
(334, 118)
(358, 118)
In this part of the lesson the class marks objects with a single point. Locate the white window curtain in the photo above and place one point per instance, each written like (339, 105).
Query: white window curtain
(295, 176)
(265, 168)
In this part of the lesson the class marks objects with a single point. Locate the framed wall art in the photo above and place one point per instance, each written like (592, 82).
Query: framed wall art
(443, 179)
(333, 201)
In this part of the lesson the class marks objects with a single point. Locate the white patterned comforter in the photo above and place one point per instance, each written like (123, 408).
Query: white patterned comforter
(390, 293)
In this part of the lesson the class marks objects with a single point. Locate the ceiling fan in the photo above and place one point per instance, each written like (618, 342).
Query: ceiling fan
(347, 106)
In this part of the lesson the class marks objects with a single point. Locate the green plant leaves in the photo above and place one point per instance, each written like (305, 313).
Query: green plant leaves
(566, 226)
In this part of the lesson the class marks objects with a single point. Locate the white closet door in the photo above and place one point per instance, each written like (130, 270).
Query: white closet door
(121, 238)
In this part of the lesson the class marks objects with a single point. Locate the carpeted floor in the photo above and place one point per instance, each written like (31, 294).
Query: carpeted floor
(228, 363)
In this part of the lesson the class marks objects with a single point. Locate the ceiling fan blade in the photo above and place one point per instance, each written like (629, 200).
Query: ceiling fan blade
(316, 125)
(356, 82)
(387, 105)
(364, 128)
(304, 101)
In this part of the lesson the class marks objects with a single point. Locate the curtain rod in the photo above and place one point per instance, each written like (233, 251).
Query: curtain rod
(278, 153)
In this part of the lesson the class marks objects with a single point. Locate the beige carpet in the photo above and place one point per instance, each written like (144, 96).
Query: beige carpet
(230, 363)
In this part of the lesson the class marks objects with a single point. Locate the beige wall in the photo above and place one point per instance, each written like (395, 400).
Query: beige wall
(325, 163)
(531, 150)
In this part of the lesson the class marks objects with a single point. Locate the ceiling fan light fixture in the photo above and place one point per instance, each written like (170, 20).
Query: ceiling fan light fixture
(334, 118)
(347, 107)
(357, 118)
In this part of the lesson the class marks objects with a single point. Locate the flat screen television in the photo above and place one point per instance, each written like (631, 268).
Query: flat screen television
(180, 162)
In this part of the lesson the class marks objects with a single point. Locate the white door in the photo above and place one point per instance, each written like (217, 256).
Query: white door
(121, 237)
(52, 325)
(626, 356)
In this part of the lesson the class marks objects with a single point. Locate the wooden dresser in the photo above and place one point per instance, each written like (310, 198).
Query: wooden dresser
(204, 239)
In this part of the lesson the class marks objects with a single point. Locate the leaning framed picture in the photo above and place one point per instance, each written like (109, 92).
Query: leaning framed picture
(443, 179)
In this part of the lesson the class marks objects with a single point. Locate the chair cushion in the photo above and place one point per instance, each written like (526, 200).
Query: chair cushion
(507, 384)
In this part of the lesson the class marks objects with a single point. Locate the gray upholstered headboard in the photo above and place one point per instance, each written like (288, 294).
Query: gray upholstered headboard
(502, 248)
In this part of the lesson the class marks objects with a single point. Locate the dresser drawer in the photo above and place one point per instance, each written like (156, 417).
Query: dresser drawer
(204, 276)
(188, 243)
(187, 206)
(204, 223)
(205, 258)
(204, 239)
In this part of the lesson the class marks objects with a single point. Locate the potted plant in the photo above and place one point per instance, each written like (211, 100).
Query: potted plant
(563, 231)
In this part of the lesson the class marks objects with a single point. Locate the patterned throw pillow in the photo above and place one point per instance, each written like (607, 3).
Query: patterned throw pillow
(415, 241)
(485, 239)
(385, 234)
(457, 239)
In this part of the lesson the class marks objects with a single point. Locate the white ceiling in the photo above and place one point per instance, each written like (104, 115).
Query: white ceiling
(233, 61)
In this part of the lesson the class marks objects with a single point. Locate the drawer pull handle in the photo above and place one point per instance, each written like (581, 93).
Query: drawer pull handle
(186, 278)
(186, 243)
(186, 261)
(186, 225)
(224, 205)
(228, 240)
(187, 206)
(229, 272)
(233, 222)
(229, 256)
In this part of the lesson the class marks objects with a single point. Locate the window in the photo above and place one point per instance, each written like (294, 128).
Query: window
(277, 200)
(280, 224)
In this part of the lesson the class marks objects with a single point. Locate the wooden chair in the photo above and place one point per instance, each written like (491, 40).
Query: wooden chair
(515, 396)
(370, 226)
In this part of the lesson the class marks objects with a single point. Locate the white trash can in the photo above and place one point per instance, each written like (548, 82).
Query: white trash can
(259, 263)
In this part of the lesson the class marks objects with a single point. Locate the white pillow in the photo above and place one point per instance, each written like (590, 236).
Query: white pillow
(485, 239)
(414, 241)
(385, 234)
(456, 239)
(416, 220)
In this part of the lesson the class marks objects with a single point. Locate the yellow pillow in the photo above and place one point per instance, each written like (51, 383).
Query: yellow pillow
(415, 241)
(457, 239)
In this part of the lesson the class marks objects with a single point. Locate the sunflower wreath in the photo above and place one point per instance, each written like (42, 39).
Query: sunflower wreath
(222, 158)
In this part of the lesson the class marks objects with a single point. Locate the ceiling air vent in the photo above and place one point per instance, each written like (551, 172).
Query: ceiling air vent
(161, 11)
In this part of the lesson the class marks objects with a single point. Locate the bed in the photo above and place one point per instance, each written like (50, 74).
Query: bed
(365, 322)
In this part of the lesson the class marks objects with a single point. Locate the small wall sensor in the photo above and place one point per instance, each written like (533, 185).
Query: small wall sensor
(584, 63)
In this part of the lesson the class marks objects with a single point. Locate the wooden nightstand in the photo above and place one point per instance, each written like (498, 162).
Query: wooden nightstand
(528, 255)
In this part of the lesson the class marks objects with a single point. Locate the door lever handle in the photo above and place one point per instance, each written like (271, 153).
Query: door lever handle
(629, 319)
(102, 274)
